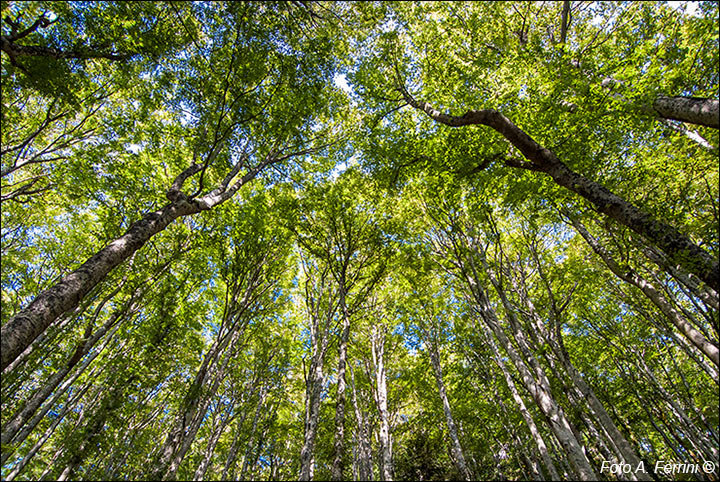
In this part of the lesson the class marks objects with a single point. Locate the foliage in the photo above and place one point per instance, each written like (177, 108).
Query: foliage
(443, 250)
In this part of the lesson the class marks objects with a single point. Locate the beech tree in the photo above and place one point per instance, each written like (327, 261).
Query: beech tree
(359, 240)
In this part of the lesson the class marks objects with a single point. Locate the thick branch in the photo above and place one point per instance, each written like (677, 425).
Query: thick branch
(15, 50)
(564, 21)
(683, 251)
(695, 110)
(175, 193)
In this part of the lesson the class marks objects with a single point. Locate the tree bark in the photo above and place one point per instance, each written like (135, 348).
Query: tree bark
(694, 110)
(228, 472)
(20, 331)
(378, 353)
(337, 468)
(537, 384)
(564, 21)
(548, 406)
(258, 411)
(46, 435)
(196, 400)
(24, 327)
(11, 429)
(363, 439)
(529, 421)
(653, 294)
(314, 388)
(206, 461)
(679, 247)
(321, 306)
(457, 450)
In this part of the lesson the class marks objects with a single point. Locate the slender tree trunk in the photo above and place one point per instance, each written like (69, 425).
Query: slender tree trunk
(228, 472)
(702, 291)
(195, 404)
(206, 461)
(337, 468)
(457, 450)
(564, 21)
(699, 438)
(363, 439)
(321, 305)
(95, 425)
(529, 421)
(314, 388)
(531, 372)
(29, 426)
(679, 247)
(378, 352)
(653, 294)
(258, 412)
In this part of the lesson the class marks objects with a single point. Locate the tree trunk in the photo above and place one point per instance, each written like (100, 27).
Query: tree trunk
(363, 439)
(321, 306)
(337, 468)
(228, 472)
(206, 461)
(692, 334)
(20, 331)
(679, 247)
(539, 389)
(258, 411)
(534, 432)
(457, 450)
(314, 388)
(11, 429)
(46, 435)
(378, 352)
(195, 404)
(694, 110)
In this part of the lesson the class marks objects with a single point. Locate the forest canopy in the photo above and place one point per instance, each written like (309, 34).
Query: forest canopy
(313, 240)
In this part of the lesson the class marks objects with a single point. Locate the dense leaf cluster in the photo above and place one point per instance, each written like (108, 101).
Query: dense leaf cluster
(359, 240)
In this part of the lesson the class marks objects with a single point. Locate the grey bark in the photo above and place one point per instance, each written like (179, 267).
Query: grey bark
(529, 421)
(228, 472)
(11, 428)
(545, 402)
(364, 471)
(321, 305)
(194, 407)
(457, 450)
(531, 372)
(46, 435)
(258, 412)
(694, 110)
(314, 387)
(535, 380)
(206, 461)
(553, 338)
(209, 375)
(20, 331)
(337, 467)
(706, 294)
(378, 357)
(679, 247)
(653, 294)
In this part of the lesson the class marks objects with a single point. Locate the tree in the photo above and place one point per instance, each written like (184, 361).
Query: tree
(359, 240)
